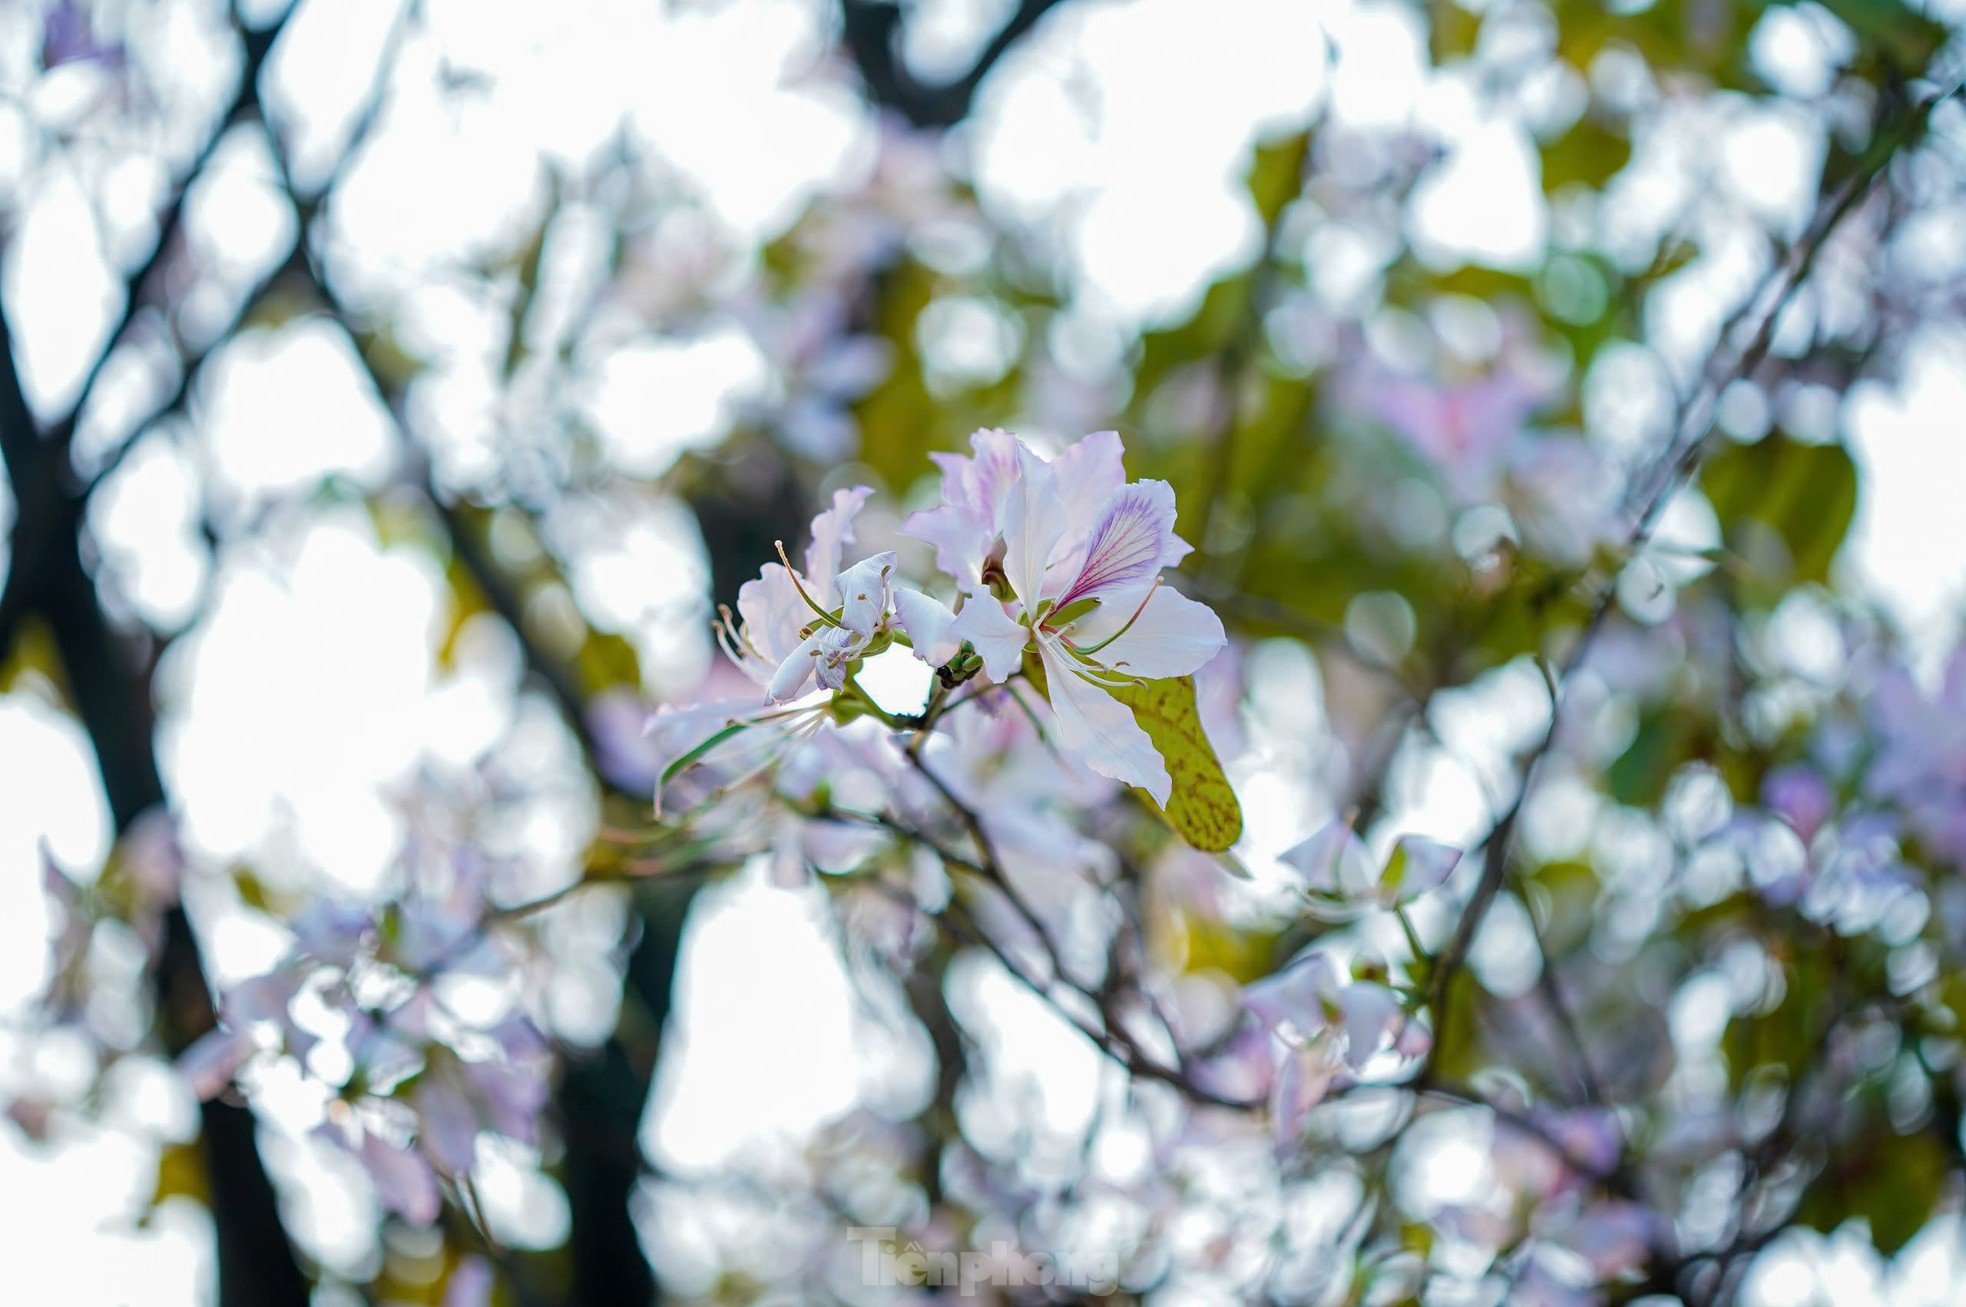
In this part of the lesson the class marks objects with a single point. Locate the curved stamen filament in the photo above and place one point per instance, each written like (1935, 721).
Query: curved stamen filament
(824, 616)
(1093, 649)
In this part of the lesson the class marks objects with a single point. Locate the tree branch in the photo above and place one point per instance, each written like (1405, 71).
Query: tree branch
(870, 31)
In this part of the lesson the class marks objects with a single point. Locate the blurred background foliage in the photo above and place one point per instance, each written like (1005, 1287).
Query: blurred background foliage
(1526, 365)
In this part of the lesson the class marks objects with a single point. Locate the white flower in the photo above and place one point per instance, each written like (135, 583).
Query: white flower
(1336, 872)
(1063, 558)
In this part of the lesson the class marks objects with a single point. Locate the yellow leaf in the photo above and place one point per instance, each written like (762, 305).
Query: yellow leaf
(180, 1174)
(1202, 806)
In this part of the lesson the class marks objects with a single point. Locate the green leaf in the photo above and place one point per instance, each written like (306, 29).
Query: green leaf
(1892, 1181)
(1276, 174)
(1202, 806)
(1589, 154)
(1806, 494)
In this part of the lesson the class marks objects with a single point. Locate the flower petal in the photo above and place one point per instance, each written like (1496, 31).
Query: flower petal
(1129, 542)
(1034, 523)
(1099, 729)
(403, 1181)
(1172, 636)
(863, 590)
(996, 636)
(702, 733)
(1370, 1011)
(773, 615)
(210, 1063)
(1302, 1081)
(1291, 1001)
(927, 621)
(831, 531)
(959, 540)
(447, 1124)
(1417, 866)
(1332, 863)
(797, 669)
(1089, 473)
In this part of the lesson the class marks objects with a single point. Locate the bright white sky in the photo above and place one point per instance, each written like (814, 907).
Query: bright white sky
(311, 684)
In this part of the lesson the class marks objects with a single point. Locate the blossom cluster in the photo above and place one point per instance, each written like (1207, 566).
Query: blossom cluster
(1050, 574)
(402, 1016)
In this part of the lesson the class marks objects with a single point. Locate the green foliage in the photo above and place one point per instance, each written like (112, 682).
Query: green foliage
(1589, 154)
(1891, 1181)
(1666, 736)
(1804, 494)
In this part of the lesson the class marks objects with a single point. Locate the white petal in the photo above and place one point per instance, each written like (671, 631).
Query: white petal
(403, 1181)
(959, 539)
(1418, 865)
(1099, 729)
(1332, 862)
(997, 637)
(1293, 999)
(927, 621)
(796, 670)
(1301, 1084)
(995, 468)
(210, 1063)
(863, 593)
(676, 732)
(1370, 1011)
(773, 613)
(1088, 474)
(447, 1124)
(1172, 636)
(838, 647)
(832, 530)
(1033, 525)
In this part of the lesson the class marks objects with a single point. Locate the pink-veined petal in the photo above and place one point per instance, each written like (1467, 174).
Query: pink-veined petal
(1128, 543)
(927, 621)
(1172, 636)
(994, 470)
(997, 637)
(1099, 729)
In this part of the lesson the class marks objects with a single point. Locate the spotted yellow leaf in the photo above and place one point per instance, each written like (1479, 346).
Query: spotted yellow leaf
(1202, 806)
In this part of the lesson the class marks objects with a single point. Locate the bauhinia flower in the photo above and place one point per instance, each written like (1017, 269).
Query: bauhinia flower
(1056, 565)
(1061, 560)
(1337, 873)
(797, 634)
(1308, 1028)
